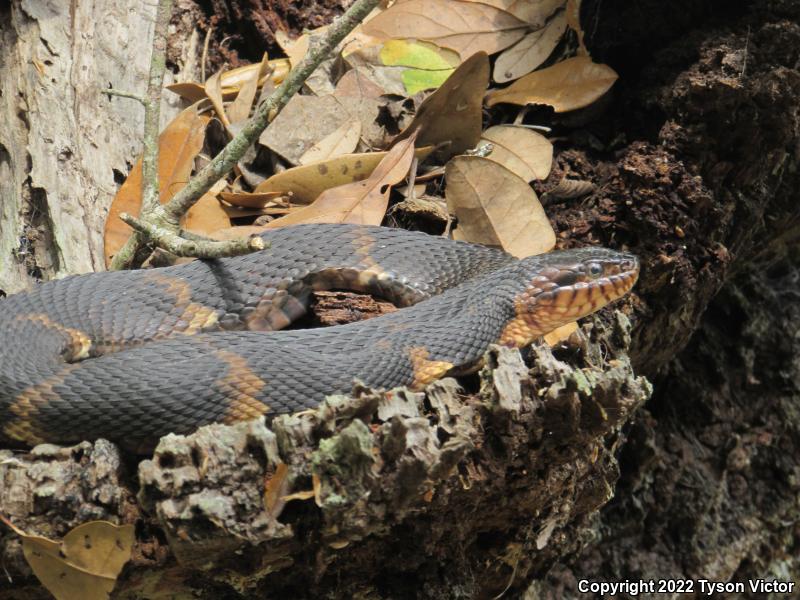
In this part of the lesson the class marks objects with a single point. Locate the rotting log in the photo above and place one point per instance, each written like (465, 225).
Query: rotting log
(505, 473)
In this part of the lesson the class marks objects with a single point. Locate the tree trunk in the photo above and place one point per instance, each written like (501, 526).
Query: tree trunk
(532, 475)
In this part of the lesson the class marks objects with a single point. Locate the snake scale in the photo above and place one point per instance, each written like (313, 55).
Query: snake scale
(131, 356)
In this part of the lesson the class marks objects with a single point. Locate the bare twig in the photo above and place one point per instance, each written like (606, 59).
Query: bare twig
(180, 246)
(122, 94)
(167, 217)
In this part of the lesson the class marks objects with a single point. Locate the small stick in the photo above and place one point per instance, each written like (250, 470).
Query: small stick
(179, 246)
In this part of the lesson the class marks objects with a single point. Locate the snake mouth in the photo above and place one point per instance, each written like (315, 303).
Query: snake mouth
(582, 298)
(578, 290)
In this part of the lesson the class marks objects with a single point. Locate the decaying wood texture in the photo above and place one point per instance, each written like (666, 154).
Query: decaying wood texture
(506, 473)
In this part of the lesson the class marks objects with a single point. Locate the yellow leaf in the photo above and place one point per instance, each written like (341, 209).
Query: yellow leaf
(466, 27)
(85, 565)
(452, 114)
(428, 65)
(342, 140)
(495, 207)
(361, 202)
(307, 182)
(530, 52)
(178, 145)
(568, 85)
(522, 151)
(560, 334)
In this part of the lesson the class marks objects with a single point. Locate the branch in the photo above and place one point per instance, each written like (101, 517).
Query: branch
(138, 248)
(122, 94)
(180, 246)
(222, 164)
(152, 107)
(168, 216)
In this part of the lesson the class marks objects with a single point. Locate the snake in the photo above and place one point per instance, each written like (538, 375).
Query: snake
(131, 356)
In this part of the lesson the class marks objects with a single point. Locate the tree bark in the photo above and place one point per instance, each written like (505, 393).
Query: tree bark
(500, 486)
(65, 146)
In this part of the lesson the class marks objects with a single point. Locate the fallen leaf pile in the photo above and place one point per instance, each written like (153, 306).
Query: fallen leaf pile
(412, 118)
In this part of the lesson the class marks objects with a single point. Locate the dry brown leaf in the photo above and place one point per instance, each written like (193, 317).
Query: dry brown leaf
(85, 565)
(213, 89)
(531, 51)
(568, 85)
(361, 202)
(296, 49)
(452, 114)
(357, 83)
(496, 207)
(404, 67)
(307, 182)
(522, 151)
(191, 91)
(574, 21)
(308, 119)
(237, 232)
(231, 81)
(178, 145)
(427, 207)
(560, 334)
(366, 64)
(466, 27)
(236, 78)
(239, 109)
(342, 140)
(532, 12)
(566, 189)
(275, 490)
(250, 200)
(207, 214)
(234, 212)
(306, 495)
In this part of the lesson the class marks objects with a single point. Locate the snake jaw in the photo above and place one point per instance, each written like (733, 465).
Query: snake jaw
(559, 295)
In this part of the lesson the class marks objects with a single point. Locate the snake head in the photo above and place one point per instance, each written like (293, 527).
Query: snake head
(566, 285)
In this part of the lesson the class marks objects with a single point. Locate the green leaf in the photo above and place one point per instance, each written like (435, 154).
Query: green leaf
(429, 65)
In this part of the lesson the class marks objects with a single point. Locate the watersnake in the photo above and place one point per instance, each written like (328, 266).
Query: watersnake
(131, 356)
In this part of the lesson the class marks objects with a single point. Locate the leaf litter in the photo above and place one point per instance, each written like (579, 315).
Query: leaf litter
(410, 82)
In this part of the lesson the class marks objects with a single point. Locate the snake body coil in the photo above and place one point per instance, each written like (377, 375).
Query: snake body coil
(130, 356)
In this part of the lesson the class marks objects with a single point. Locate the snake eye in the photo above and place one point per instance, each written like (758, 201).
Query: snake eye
(595, 269)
